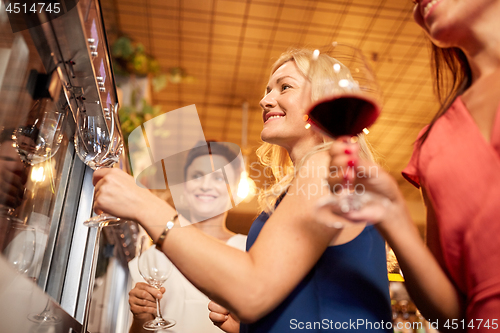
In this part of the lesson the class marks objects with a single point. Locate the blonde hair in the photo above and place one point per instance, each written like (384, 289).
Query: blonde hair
(276, 158)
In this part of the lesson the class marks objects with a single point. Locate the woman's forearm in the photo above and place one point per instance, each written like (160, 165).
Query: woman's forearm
(226, 275)
(429, 287)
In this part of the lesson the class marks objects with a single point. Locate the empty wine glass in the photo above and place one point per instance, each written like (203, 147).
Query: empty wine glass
(348, 102)
(41, 139)
(98, 147)
(44, 317)
(155, 268)
(20, 249)
(92, 139)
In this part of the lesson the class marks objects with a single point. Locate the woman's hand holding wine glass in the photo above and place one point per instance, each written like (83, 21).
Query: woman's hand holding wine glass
(155, 268)
(142, 301)
(385, 203)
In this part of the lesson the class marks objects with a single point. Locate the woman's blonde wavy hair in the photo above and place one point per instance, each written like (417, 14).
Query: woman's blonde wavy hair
(276, 158)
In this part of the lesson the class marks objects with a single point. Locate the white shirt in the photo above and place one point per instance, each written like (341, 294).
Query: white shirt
(184, 303)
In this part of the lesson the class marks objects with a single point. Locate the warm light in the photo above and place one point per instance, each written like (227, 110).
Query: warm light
(37, 174)
(366, 131)
(344, 83)
(308, 126)
(246, 187)
(336, 68)
(315, 54)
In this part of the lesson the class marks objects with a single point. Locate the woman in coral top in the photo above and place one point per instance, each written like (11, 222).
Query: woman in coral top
(456, 163)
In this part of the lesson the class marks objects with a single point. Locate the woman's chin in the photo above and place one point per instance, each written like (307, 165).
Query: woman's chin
(269, 137)
(205, 215)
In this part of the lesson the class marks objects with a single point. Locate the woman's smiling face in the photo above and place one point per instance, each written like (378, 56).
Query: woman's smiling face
(205, 190)
(451, 23)
(288, 95)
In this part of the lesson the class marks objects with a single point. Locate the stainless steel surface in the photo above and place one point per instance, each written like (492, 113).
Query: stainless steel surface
(63, 246)
(57, 226)
(77, 270)
(71, 49)
(110, 309)
(93, 250)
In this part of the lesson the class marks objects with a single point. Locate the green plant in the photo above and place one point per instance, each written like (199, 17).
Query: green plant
(132, 117)
(131, 58)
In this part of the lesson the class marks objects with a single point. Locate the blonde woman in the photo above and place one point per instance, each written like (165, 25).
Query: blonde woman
(296, 274)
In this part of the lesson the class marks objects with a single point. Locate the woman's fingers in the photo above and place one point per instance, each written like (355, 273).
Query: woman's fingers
(140, 305)
(116, 193)
(141, 309)
(142, 298)
(217, 317)
(218, 313)
(344, 159)
(100, 174)
(145, 291)
(212, 306)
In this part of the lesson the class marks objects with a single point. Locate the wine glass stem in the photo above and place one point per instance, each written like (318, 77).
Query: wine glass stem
(158, 311)
(46, 311)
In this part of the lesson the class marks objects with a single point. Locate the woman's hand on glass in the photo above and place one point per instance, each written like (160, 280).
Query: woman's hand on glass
(223, 319)
(142, 300)
(116, 193)
(346, 166)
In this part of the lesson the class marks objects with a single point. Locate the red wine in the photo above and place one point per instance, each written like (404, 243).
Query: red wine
(346, 114)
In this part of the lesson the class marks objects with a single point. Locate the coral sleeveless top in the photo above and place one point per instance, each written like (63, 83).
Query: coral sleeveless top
(460, 172)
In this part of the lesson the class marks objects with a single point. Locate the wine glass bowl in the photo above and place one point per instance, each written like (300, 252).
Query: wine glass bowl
(347, 95)
(344, 123)
(21, 245)
(155, 268)
(41, 139)
(91, 140)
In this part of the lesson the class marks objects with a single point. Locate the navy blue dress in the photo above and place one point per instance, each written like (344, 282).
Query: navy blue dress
(346, 290)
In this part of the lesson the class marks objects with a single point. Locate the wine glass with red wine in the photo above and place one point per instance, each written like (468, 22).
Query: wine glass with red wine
(347, 102)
